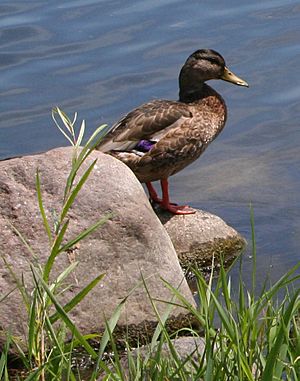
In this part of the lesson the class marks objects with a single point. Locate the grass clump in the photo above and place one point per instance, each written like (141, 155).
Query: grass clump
(246, 336)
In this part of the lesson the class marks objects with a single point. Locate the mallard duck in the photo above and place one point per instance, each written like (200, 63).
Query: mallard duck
(161, 137)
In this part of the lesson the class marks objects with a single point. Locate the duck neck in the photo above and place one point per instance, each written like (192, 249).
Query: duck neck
(190, 88)
(190, 95)
(193, 94)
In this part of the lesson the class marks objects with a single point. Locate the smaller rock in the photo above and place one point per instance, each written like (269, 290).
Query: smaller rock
(199, 237)
(189, 349)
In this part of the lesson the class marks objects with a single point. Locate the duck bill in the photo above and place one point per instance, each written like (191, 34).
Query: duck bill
(230, 77)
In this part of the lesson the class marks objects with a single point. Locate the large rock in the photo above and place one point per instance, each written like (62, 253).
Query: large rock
(133, 243)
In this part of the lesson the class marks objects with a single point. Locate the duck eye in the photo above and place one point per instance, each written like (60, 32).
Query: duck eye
(213, 61)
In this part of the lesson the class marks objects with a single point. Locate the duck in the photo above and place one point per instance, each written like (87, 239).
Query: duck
(161, 137)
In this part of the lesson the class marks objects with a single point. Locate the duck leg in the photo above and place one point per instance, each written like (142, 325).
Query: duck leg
(152, 193)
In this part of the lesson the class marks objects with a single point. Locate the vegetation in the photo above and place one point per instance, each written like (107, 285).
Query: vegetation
(248, 335)
(48, 356)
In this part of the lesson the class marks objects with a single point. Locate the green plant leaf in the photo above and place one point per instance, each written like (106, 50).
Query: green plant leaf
(77, 299)
(81, 133)
(225, 317)
(84, 153)
(189, 307)
(22, 239)
(91, 144)
(65, 317)
(41, 206)
(93, 141)
(3, 297)
(20, 286)
(254, 254)
(64, 118)
(62, 276)
(86, 232)
(54, 251)
(69, 202)
(32, 326)
(110, 326)
(273, 358)
(3, 358)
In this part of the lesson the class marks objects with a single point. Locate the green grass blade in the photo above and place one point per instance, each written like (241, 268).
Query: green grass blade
(242, 304)
(41, 207)
(43, 322)
(55, 340)
(69, 202)
(97, 134)
(225, 288)
(81, 133)
(35, 375)
(58, 282)
(69, 125)
(69, 373)
(86, 232)
(32, 325)
(88, 149)
(161, 319)
(189, 307)
(117, 362)
(77, 299)
(3, 297)
(65, 317)
(22, 239)
(161, 332)
(64, 118)
(20, 286)
(111, 324)
(283, 282)
(21, 355)
(84, 153)
(253, 251)
(3, 358)
(273, 356)
(93, 141)
(225, 317)
(54, 251)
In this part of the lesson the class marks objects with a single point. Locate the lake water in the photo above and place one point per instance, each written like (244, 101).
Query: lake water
(102, 58)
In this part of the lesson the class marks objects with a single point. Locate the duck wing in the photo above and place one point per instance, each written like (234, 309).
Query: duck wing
(149, 121)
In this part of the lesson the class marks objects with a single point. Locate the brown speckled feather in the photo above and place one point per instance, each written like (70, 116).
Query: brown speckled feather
(145, 121)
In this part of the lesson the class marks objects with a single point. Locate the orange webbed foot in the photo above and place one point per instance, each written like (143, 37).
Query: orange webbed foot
(178, 209)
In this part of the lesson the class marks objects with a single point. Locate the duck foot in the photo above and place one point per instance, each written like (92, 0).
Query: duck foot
(165, 203)
(178, 209)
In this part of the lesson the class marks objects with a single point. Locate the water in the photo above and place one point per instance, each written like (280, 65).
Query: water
(102, 58)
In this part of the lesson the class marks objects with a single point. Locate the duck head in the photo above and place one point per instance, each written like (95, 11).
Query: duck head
(203, 65)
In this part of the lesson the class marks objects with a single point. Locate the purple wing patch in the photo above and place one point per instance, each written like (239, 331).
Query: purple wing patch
(144, 145)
